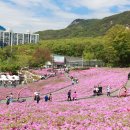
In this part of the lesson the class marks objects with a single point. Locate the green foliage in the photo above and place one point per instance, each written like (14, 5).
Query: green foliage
(117, 47)
(88, 56)
(113, 48)
(12, 59)
(87, 28)
(39, 57)
(70, 47)
(9, 67)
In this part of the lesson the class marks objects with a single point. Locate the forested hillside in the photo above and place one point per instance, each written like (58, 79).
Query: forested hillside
(87, 28)
(113, 49)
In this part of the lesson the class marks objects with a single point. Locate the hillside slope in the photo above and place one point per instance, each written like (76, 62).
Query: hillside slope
(87, 28)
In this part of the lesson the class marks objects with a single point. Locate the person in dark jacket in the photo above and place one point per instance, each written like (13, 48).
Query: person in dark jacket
(7, 100)
(69, 95)
(46, 98)
(38, 98)
(128, 76)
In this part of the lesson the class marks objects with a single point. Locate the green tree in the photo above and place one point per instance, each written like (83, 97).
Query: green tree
(40, 56)
(118, 39)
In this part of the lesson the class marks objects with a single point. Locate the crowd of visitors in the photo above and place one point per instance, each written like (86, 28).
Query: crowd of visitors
(9, 80)
(46, 98)
(98, 90)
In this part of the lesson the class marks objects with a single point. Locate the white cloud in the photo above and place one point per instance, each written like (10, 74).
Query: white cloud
(96, 4)
(21, 18)
(32, 15)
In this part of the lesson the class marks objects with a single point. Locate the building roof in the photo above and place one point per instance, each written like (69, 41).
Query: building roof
(2, 28)
(58, 59)
(73, 59)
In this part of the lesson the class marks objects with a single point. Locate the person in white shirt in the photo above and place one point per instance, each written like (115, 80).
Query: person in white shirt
(97, 91)
(108, 90)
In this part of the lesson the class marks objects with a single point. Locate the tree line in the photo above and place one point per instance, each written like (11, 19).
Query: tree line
(113, 49)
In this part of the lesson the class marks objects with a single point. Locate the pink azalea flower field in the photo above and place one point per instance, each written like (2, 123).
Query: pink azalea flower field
(87, 113)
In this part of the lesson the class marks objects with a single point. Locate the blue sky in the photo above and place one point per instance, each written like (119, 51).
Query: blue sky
(35, 15)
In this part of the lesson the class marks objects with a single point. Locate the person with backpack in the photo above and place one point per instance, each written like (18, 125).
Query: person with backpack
(46, 98)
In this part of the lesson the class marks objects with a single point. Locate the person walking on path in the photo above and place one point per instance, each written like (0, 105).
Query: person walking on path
(74, 96)
(7, 100)
(69, 95)
(46, 98)
(108, 90)
(129, 76)
(94, 91)
(97, 91)
(50, 97)
(37, 98)
(11, 97)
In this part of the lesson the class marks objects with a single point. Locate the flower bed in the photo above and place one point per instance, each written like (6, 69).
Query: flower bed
(91, 114)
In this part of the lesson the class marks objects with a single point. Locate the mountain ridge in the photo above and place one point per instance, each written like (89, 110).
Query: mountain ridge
(87, 28)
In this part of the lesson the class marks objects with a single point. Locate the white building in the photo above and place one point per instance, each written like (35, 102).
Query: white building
(12, 38)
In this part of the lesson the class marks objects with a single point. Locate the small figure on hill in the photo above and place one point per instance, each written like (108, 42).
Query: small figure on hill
(128, 76)
(37, 96)
(35, 93)
(73, 81)
(97, 91)
(50, 97)
(7, 100)
(94, 91)
(69, 95)
(46, 98)
(76, 80)
(11, 97)
(108, 90)
(67, 70)
(124, 94)
(74, 96)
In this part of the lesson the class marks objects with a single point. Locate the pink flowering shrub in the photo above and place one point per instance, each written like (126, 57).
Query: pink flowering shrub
(92, 113)
(115, 78)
